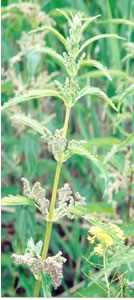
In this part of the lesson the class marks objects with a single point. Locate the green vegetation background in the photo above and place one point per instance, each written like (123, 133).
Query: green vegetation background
(23, 154)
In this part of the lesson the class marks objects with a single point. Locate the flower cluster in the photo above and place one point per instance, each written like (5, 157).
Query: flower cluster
(71, 65)
(57, 144)
(68, 91)
(66, 200)
(107, 238)
(37, 194)
(75, 34)
(52, 265)
(34, 263)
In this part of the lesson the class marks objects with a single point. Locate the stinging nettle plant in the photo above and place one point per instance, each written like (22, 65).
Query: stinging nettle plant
(71, 61)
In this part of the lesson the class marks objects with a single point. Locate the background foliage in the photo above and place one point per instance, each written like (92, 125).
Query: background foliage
(24, 154)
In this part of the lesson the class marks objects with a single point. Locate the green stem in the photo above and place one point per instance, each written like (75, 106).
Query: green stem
(106, 278)
(66, 121)
(52, 205)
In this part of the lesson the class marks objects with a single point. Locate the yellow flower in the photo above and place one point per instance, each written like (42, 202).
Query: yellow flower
(98, 249)
(91, 239)
(103, 237)
(99, 233)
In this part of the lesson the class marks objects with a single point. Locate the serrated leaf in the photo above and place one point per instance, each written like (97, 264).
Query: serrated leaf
(57, 57)
(89, 20)
(85, 151)
(30, 244)
(96, 64)
(49, 28)
(62, 12)
(101, 141)
(16, 200)
(91, 208)
(129, 90)
(114, 73)
(35, 125)
(98, 37)
(38, 246)
(97, 92)
(34, 94)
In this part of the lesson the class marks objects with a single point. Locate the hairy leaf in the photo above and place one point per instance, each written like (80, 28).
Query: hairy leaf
(89, 20)
(31, 123)
(85, 151)
(49, 28)
(98, 37)
(96, 64)
(32, 95)
(129, 90)
(38, 246)
(16, 200)
(35, 248)
(57, 57)
(97, 92)
(113, 73)
(62, 12)
(91, 208)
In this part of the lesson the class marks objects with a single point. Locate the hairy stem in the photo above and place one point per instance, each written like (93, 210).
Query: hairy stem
(52, 205)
